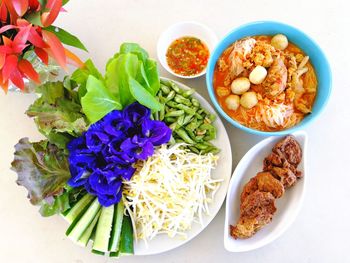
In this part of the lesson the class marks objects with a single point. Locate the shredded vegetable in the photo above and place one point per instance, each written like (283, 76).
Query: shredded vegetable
(169, 191)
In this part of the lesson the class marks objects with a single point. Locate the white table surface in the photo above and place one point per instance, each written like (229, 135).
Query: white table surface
(320, 232)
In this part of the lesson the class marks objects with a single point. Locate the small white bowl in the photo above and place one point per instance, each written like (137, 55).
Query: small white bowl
(288, 205)
(183, 29)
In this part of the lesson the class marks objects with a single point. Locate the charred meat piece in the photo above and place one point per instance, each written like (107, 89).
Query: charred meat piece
(263, 182)
(276, 80)
(256, 211)
(273, 160)
(284, 175)
(290, 149)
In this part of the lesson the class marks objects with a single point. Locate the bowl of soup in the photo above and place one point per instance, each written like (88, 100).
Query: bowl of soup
(268, 78)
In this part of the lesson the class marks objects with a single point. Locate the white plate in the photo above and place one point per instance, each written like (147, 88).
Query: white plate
(164, 243)
(288, 205)
(182, 29)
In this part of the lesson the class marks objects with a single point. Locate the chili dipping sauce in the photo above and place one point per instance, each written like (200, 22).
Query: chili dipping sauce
(187, 56)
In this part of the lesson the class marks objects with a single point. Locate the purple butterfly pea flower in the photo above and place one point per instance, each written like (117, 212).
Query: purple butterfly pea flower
(140, 148)
(79, 176)
(78, 145)
(95, 139)
(156, 131)
(100, 184)
(136, 112)
(115, 124)
(107, 200)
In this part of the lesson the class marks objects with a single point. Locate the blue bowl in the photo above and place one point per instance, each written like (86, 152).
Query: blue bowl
(309, 46)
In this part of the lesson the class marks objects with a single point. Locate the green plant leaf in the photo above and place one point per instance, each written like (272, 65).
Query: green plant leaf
(126, 66)
(42, 168)
(57, 111)
(60, 204)
(66, 37)
(98, 101)
(143, 96)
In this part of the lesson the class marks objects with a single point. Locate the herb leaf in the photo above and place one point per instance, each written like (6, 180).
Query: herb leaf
(98, 101)
(42, 168)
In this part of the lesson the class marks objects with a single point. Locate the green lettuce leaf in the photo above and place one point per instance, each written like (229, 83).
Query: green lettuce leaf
(131, 65)
(98, 101)
(143, 96)
(58, 113)
(42, 168)
(63, 202)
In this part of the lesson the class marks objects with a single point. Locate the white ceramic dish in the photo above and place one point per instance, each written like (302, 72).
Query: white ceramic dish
(164, 243)
(180, 30)
(288, 205)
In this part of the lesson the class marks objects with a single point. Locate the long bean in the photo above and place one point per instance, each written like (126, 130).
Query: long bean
(190, 123)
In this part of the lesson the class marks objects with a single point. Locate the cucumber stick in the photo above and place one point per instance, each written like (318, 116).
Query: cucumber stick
(117, 227)
(84, 239)
(77, 228)
(126, 246)
(79, 208)
(103, 231)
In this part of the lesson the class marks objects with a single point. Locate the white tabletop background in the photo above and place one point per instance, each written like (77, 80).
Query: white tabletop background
(320, 232)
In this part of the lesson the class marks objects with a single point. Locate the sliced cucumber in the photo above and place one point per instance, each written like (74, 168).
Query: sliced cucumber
(79, 225)
(79, 208)
(126, 246)
(114, 254)
(84, 239)
(117, 227)
(103, 231)
(97, 252)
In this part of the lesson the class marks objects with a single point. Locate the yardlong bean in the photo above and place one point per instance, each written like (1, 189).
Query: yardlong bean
(191, 123)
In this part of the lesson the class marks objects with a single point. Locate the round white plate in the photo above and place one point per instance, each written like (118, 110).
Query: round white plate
(164, 243)
(288, 205)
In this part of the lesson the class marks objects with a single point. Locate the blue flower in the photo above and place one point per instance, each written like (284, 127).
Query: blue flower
(79, 176)
(101, 185)
(107, 200)
(156, 131)
(121, 170)
(136, 112)
(115, 124)
(103, 156)
(137, 147)
(95, 140)
(77, 145)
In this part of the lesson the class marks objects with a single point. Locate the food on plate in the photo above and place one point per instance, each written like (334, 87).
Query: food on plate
(278, 72)
(123, 152)
(259, 194)
(256, 212)
(187, 56)
(169, 191)
(190, 122)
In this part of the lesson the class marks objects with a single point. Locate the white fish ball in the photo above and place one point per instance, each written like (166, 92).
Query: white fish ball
(258, 75)
(279, 41)
(232, 102)
(240, 85)
(249, 100)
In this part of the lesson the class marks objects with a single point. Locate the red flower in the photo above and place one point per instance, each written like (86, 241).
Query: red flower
(20, 35)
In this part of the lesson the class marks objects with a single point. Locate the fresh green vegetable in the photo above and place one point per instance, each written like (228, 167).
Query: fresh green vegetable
(84, 239)
(126, 246)
(80, 224)
(79, 207)
(57, 112)
(103, 231)
(117, 227)
(191, 124)
(98, 101)
(43, 169)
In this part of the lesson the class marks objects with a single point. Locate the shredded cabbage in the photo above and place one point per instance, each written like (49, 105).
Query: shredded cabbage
(169, 191)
